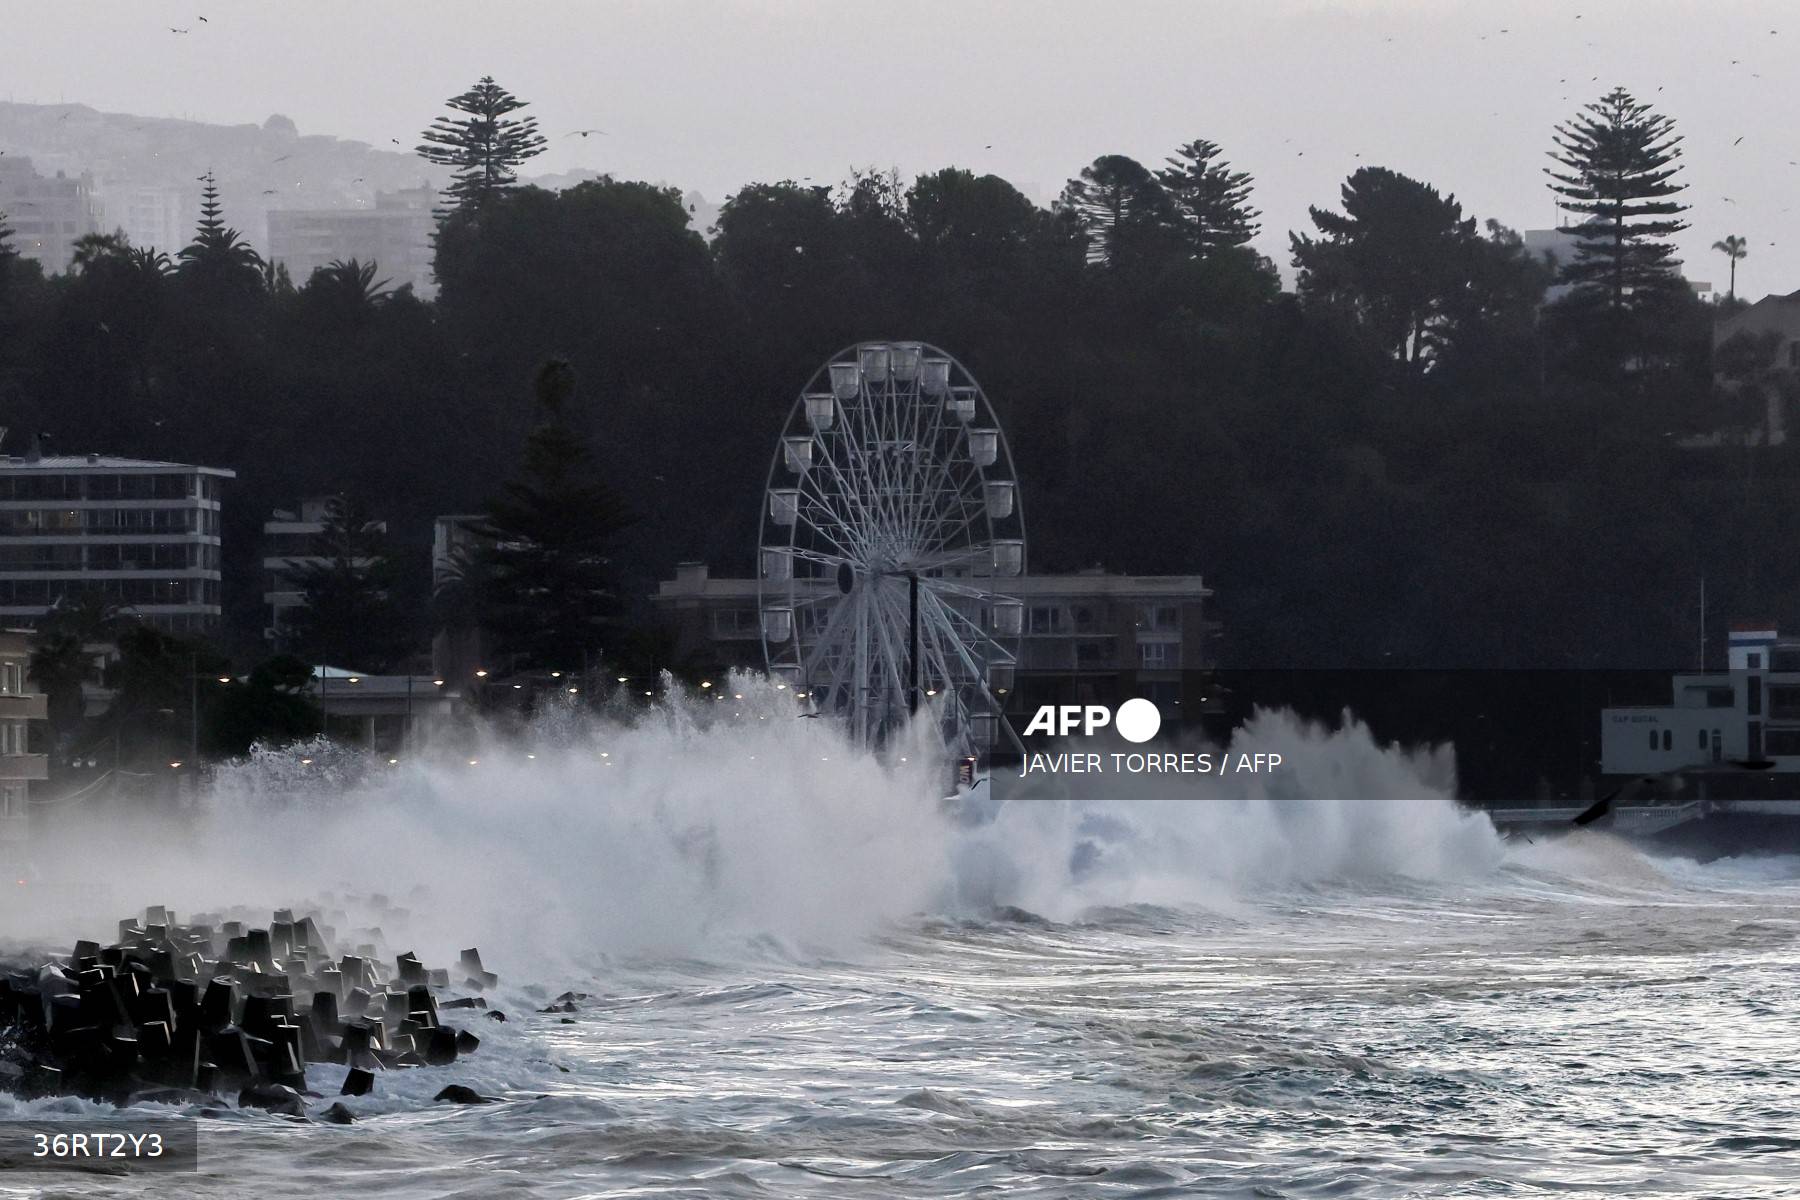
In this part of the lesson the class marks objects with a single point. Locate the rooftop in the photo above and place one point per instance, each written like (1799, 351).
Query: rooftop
(103, 462)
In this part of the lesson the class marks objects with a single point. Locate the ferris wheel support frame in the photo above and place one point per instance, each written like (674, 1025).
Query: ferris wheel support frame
(917, 484)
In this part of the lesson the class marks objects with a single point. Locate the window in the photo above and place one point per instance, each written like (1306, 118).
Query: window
(1668, 739)
(1156, 656)
(1653, 739)
(1159, 618)
(1047, 618)
(1754, 660)
(1703, 739)
(1781, 743)
(1093, 654)
(1753, 697)
(735, 622)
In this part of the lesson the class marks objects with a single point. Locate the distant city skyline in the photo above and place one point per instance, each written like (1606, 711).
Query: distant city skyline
(711, 96)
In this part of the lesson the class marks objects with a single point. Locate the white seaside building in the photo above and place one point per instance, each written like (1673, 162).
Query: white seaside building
(1747, 714)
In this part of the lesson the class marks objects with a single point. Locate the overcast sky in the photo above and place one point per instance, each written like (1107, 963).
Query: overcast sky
(711, 94)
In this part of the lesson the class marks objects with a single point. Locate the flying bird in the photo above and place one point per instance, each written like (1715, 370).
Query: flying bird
(586, 132)
(1740, 138)
(172, 29)
(268, 191)
(204, 21)
(284, 158)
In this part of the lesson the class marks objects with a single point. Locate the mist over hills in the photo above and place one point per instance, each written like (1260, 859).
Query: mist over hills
(259, 168)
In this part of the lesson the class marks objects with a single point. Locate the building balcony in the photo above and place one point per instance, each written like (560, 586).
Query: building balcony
(30, 706)
(15, 768)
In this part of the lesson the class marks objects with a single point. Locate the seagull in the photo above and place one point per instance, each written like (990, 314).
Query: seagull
(1740, 138)
(1728, 199)
(268, 191)
(172, 29)
(585, 132)
(284, 158)
(205, 21)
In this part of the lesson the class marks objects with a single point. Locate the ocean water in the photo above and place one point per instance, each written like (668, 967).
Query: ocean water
(805, 978)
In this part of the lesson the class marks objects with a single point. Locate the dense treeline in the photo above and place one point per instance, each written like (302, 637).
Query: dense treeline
(1409, 458)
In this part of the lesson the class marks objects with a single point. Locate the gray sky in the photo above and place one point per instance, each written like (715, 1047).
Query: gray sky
(711, 94)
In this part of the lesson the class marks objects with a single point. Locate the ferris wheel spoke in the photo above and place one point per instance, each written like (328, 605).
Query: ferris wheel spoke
(1002, 655)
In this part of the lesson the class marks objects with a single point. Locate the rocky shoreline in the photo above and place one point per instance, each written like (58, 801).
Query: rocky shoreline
(189, 1013)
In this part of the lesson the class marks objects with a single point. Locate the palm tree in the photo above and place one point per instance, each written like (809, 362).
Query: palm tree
(1734, 248)
(351, 286)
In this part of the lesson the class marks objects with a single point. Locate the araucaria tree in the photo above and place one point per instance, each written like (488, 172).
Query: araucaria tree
(1616, 165)
(546, 569)
(219, 258)
(1211, 202)
(483, 147)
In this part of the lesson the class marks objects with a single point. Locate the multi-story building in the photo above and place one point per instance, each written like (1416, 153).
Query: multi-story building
(156, 218)
(395, 235)
(20, 705)
(290, 544)
(141, 536)
(46, 213)
(1089, 637)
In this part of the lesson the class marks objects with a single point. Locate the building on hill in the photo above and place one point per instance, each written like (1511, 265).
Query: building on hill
(141, 536)
(154, 218)
(1775, 319)
(395, 235)
(47, 214)
(1557, 248)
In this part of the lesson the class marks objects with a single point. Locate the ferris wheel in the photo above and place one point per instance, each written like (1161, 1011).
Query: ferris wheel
(891, 528)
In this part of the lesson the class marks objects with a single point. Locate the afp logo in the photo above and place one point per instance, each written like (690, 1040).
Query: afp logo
(1138, 720)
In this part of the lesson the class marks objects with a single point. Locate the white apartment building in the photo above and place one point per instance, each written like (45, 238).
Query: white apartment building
(142, 536)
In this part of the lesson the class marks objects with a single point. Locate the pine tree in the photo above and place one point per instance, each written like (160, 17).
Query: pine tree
(1121, 206)
(1618, 165)
(1398, 258)
(350, 617)
(484, 148)
(1211, 201)
(218, 255)
(546, 569)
